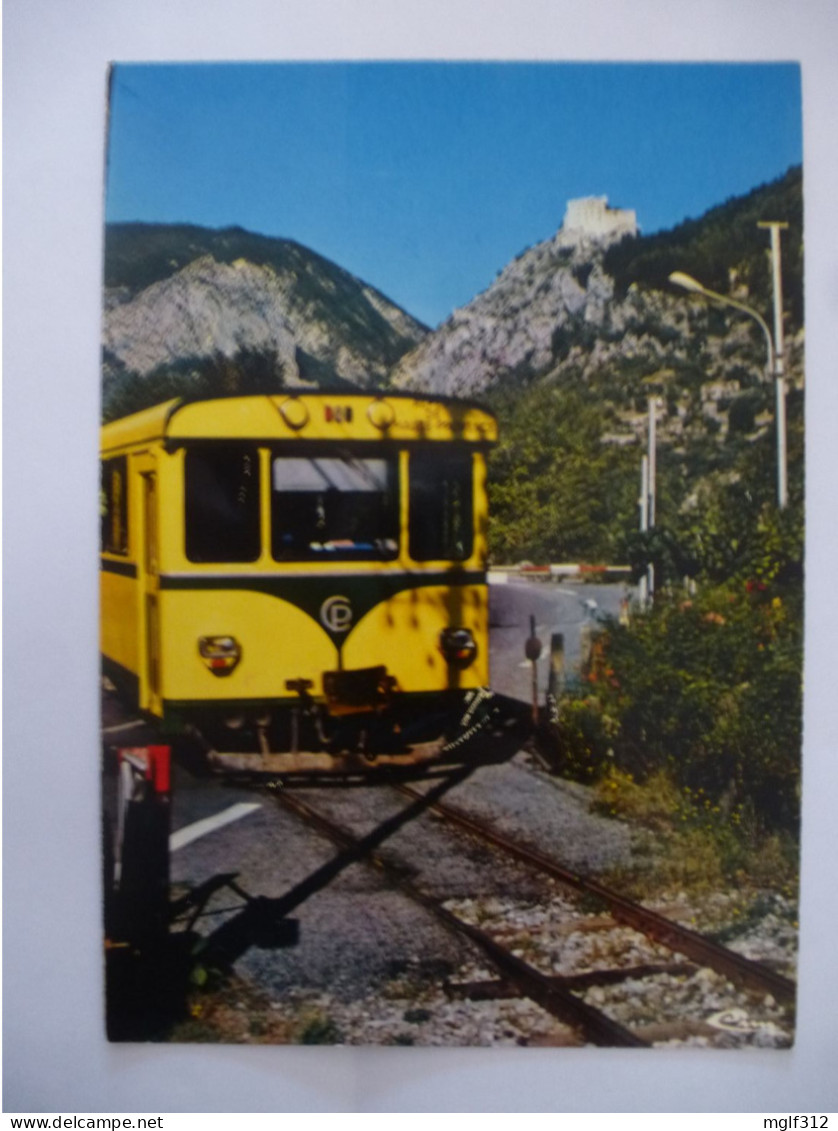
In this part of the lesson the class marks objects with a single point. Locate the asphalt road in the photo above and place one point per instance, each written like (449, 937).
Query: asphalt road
(558, 610)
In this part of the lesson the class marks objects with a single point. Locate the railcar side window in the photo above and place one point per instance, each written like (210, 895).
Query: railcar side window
(113, 505)
(335, 507)
(222, 504)
(441, 506)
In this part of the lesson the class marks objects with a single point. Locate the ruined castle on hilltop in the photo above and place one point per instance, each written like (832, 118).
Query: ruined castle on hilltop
(590, 217)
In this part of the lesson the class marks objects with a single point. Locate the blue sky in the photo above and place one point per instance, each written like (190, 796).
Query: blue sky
(425, 179)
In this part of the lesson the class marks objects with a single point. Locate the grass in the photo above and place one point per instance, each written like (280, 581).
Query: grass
(230, 1011)
(686, 843)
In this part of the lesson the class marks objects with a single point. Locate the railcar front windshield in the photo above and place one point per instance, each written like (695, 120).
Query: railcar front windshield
(334, 508)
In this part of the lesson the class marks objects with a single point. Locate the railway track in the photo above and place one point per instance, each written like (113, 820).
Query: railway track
(567, 995)
(562, 995)
(738, 969)
(551, 993)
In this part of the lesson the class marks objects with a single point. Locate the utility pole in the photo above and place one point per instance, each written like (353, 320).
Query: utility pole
(653, 459)
(643, 587)
(648, 476)
(775, 227)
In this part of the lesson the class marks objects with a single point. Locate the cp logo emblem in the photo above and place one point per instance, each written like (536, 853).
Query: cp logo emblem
(336, 614)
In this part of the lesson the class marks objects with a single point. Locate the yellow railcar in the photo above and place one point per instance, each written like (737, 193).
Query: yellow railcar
(298, 579)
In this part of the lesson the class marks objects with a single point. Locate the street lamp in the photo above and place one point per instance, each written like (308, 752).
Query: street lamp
(775, 358)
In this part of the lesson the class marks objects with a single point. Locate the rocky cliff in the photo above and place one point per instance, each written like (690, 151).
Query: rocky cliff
(538, 300)
(585, 306)
(182, 297)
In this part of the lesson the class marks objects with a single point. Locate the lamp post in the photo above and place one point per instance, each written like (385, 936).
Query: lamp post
(774, 345)
(775, 227)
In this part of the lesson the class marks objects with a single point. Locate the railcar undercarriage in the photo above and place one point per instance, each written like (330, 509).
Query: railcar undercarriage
(314, 740)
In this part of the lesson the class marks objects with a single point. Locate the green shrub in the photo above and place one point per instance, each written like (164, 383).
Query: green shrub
(706, 688)
(320, 1030)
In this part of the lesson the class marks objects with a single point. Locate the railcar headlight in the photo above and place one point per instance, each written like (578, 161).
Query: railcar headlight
(294, 412)
(381, 415)
(219, 653)
(458, 646)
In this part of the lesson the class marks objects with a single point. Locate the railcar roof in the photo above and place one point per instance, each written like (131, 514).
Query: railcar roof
(307, 416)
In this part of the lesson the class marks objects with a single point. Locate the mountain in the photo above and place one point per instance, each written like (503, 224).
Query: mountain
(548, 295)
(567, 345)
(597, 295)
(574, 337)
(189, 307)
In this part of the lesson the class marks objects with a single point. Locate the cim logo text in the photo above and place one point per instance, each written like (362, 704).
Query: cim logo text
(336, 614)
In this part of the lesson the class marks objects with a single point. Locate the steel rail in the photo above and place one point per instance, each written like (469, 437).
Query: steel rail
(740, 970)
(543, 989)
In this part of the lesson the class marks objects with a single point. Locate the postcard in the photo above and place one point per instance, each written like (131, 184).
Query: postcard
(451, 553)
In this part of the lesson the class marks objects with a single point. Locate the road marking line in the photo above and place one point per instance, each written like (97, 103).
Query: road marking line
(198, 829)
(123, 726)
